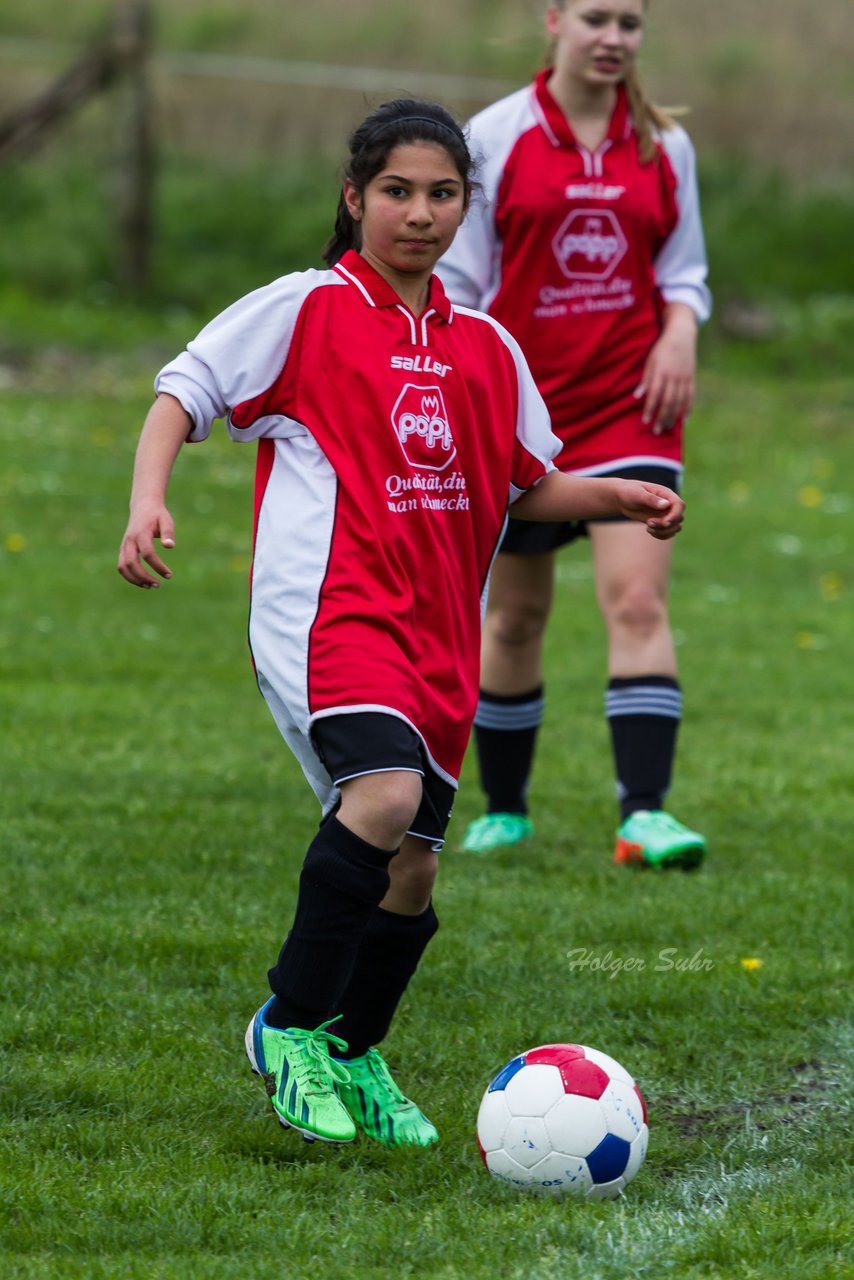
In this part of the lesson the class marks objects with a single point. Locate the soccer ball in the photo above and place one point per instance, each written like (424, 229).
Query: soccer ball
(563, 1119)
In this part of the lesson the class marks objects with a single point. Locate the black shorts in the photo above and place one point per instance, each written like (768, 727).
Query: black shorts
(531, 537)
(376, 742)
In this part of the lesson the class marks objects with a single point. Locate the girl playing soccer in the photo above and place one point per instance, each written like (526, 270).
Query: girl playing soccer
(393, 431)
(588, 246)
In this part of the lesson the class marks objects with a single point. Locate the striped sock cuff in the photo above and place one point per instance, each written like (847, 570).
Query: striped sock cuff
(517, 711)
(646, 696)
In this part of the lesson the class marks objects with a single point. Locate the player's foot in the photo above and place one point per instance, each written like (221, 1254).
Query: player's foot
(301, 1076)
(372, 1097)
(655, 839)
(496, 831)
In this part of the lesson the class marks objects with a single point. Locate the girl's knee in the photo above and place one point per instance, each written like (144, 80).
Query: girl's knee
(517, 625)
(381, 807)
(412, 875)
(639, 610)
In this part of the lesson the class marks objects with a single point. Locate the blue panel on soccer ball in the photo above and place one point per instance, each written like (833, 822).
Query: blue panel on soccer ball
(608, 1161)
(507, 1073)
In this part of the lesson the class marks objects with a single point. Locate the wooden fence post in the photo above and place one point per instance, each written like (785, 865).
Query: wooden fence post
(136, 161)
(23, 130)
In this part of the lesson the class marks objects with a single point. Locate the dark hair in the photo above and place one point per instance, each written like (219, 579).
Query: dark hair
(391, 125)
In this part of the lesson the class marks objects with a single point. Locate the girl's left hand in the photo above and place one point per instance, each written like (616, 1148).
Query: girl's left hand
(667, 385)
(661, 508)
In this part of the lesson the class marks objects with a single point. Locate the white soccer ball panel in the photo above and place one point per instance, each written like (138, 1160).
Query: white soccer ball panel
(636, 1156)
(563, 1175)
(613, 1068)
(526, 1140)
(533, 1090)
(576, 1125)
(622, 1110)
(608, 1190)
(504, 1167)
(492, 1120)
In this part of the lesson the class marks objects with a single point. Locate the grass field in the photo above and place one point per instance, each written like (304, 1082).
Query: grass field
(153, 827)
(152, 824)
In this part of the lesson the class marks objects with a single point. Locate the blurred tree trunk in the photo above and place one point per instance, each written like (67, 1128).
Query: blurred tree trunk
(136, 161)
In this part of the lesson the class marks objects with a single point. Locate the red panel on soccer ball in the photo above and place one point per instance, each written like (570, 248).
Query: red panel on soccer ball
(584, 1078)
(643, 1104)
(554, 1055)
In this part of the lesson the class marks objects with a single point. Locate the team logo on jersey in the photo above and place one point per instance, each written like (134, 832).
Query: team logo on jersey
(421, 422)
(589, 244)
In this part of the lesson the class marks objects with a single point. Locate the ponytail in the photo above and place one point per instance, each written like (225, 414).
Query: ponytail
(647, 118)
(346, 235)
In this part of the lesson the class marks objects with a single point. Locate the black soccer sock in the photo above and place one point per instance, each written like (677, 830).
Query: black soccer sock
(643, 715)
(342, 881)
(388, 957)
(506, 734)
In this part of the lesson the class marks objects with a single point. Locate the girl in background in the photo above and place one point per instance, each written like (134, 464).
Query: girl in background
(587, 245)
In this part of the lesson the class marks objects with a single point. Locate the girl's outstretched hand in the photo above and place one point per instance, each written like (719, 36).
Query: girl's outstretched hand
(148, 522)
(661, 508)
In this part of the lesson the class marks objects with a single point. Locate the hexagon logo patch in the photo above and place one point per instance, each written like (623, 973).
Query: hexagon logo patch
(589, 244)
(421, 422)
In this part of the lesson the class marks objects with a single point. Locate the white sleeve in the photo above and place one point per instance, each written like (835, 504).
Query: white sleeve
(533, 427)
(536, 445)
(471, 269)
(681, 266)
(240, 353)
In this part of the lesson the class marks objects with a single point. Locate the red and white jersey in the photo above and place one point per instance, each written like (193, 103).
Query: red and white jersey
(390, 448)
(575, 252)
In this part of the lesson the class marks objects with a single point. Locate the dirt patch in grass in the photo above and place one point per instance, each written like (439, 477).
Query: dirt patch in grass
(812, 1083)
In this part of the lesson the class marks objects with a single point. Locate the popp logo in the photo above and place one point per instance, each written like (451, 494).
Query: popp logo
(589, 244)
(421, 421)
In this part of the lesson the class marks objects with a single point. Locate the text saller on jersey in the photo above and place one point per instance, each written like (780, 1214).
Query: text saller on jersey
(420, 364)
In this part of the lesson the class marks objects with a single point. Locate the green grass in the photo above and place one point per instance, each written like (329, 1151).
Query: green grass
(153, 823)
(153, 827)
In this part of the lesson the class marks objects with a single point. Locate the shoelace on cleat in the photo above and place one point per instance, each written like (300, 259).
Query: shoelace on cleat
(315, 1068)
(665, 821)
(498, 828)
(669, 822)
(378, 1068)
(506, 826)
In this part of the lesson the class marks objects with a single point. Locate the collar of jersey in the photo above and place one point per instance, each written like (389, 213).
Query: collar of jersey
(377, 292)
(558, 128)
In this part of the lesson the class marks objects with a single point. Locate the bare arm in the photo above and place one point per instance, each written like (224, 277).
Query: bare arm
(165, 429)
(667, 385)
(563, 497)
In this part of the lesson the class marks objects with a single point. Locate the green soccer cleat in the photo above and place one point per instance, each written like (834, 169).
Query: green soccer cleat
(371, 1095)
(652, 838)
(301, 1076)
(496, 831)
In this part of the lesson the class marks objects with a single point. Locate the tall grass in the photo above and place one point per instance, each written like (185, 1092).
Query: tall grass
(780, 252)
